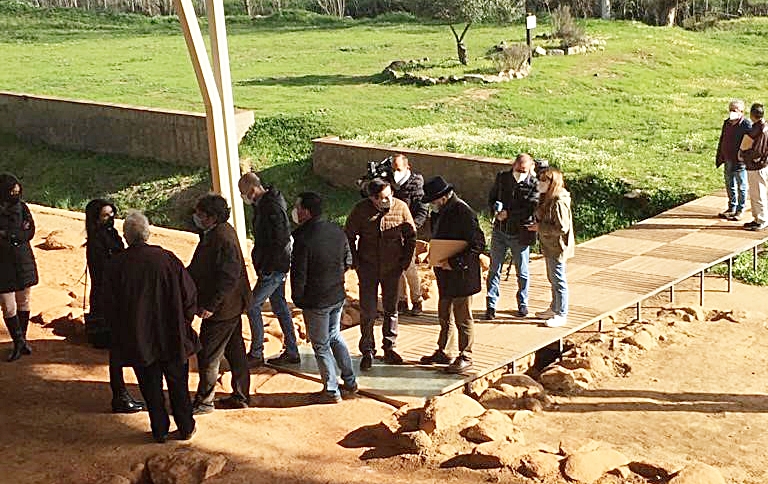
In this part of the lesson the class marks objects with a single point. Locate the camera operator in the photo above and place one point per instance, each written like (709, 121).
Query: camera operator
(409, 187)
(513, 200)
(382, 238)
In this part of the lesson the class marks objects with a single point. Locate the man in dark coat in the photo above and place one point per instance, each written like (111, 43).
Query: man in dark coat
(409, 187)
(320, 258)
(18, 270)
(733, 131)
(459, 279)
(150, 302)
(512, 199)
(271, 257)
(754, 154)
(382, 238)
(223, 294)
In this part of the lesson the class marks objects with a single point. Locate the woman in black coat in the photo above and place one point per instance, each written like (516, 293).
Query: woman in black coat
(102, 243)
(18, 271)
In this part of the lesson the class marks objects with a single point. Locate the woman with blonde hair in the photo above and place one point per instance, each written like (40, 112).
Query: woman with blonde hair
(554, 223)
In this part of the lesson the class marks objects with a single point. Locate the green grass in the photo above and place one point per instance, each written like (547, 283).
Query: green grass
(645, 113)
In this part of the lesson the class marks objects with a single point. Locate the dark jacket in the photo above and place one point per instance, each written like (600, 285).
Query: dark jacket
(320, 258)
(519, 200)
(411, 192)
(150, 304)
(457, 221)
(218, 269)
(101, 246)
(387, 240)
(728, 152)
(756, 158)
(271, 233)
(18, 269)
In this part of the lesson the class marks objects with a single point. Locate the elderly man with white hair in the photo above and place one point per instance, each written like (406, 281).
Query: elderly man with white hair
(150, 303)
(734, 129)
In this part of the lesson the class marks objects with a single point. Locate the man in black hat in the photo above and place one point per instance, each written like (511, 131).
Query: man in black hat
(453, 219)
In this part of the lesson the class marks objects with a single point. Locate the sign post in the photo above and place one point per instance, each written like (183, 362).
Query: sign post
(530, 24)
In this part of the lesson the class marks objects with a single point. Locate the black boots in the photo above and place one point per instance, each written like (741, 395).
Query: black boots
(17, 328)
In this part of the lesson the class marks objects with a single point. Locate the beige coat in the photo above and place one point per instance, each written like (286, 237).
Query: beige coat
(556, 227)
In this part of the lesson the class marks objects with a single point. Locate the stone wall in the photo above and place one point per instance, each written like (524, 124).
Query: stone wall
(176, 137)
(341, 163)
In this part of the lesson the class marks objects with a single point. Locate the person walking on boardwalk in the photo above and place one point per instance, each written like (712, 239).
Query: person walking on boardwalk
(321, 256)
(150, 302)
(223, 294)
(382, 238)
(409, 187)
(453, 219)
(554, 224)
(102, 243)
(271, 257)
(733, 131)
(513, 200)
(18, 269)
(754, 153)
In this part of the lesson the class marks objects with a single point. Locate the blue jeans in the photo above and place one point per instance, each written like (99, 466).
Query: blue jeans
(500, 243)
(324, 329)
(736, 186)
(556, 276)
(271, 285)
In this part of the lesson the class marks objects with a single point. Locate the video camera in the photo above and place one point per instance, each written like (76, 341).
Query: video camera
(376, 169)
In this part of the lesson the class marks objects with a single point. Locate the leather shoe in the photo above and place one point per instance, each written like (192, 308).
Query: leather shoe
(255, 361)
(161, 439)
(285, 358)
(200, 409)
(232, 403)
(392, 358)
(127, 404)
(437, 358)
(366, 362)
(416, 310)
(187, 435)
(490, 314)
(460, 365)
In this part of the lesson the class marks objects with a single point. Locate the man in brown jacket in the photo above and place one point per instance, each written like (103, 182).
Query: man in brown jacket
(150, 302)
(223, 295)
(382, 237)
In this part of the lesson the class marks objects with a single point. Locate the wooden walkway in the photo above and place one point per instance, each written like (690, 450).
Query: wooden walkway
(608, 274)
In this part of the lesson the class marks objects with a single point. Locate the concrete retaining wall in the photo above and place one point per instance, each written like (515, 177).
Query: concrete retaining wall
(176, 137)
(341, 163)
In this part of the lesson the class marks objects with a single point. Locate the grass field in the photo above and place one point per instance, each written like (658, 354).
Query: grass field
(645, 113)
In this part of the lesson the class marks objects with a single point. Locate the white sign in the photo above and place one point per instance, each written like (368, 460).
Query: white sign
(530, 22)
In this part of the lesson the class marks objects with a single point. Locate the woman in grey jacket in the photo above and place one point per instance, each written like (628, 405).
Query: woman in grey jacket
(554, 223)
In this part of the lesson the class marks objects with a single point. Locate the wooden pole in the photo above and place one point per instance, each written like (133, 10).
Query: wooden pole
(221, 73)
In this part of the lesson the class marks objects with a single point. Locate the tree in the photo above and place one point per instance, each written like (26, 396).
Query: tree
(473, 11)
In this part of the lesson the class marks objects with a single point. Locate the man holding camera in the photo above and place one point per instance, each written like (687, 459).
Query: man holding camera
(409, 187)
(382, 238)
(513, 199)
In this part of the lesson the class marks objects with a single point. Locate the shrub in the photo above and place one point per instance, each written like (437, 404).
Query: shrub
(699, 24)
(564, 27)
(511, 58)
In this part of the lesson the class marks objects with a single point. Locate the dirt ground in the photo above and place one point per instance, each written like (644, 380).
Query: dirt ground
(699, 396)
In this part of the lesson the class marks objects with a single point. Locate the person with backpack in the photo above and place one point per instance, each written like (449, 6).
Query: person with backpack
(754, 153)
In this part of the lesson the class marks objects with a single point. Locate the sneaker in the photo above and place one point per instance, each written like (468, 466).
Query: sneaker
(437, 358)
(200, 409)
(348, 390)
(556, 321)
(402, 307)
(392, 358)
(751, 224)
(255, 361)
(461, 364)
(545, 314)
(490, 314)
(324, 397)
(416, 309)
(758, 227)
(285, 358)
(726, 214)
(522, 312)
(366, 362)
(736, 216)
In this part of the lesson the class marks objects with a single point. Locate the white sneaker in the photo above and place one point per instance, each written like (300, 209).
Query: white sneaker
(556, 321)
(545, 314)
